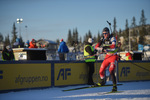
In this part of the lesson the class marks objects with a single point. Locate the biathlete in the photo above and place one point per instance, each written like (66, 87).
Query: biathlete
(108, 44)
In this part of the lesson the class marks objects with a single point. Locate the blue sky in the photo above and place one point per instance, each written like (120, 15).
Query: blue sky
(51, 19)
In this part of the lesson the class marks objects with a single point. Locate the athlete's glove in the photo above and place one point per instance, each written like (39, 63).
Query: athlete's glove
(96, 56)
(95, 51)
(104, 49)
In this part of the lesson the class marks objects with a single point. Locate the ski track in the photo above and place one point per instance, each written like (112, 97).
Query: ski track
(129, 91)
(123, 93)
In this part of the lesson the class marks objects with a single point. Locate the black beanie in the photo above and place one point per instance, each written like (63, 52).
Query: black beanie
(106, 29)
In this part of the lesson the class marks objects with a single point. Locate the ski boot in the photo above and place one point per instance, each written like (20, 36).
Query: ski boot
(114, 88)
(101, 83)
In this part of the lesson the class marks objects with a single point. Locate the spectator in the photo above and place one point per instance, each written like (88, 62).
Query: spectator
(33, 44)
(11, 54)
(62, 50)
(17, 44)
(27, 44)
(129, 56)
(89, 59)
(7, 54)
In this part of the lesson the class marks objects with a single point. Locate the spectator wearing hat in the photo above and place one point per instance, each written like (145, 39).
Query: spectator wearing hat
(62, 50)
(11, 53)
(27, 44)
(89, 59)
(7, 54)
(129, 56)
(33, 44)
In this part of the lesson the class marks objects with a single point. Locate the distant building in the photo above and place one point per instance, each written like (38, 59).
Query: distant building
(51, 46)
(133, 36)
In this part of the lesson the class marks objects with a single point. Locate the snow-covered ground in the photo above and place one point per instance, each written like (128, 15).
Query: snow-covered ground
(131, 90)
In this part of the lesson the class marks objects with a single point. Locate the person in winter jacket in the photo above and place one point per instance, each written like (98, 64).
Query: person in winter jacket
(129, 56)
(18, 44)
(33, 44)
(89, 59)
(108, 45)
(27, 44)
(7, 54)
(62, 50)
(11, 53)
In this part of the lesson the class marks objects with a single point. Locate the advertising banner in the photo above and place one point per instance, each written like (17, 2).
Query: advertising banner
(70, 74)
(133, 71)
(96, 76)
(73, 73)
(21, 76)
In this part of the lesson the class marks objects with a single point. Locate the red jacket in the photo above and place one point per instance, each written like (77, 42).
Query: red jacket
(129, 55)
(32, 45)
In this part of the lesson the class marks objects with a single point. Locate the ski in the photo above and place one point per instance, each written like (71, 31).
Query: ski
(86, 87)
(113, 92)
(105, 93)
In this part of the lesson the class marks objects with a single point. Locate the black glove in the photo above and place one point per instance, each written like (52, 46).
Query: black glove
(96, 56)
(95, 51)
(104, 48)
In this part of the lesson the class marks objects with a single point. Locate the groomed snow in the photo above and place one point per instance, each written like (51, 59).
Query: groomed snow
(129, 91)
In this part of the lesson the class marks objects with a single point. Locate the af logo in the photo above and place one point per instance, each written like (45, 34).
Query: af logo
(63, 73)
(125, 71)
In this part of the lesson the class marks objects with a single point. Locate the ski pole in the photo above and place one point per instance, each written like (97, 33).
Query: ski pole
(109, 26)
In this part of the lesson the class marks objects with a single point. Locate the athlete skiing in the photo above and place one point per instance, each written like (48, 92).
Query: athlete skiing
(108, 44)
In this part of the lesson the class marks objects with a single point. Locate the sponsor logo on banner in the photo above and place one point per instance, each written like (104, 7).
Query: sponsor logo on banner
(133, 71)
(64, 73)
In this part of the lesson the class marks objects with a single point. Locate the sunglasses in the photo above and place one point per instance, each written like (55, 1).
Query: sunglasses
(105, 33)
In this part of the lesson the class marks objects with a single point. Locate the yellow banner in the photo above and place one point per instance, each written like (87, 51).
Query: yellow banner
(96, 76)
(133, 71)
(73, 73)
(70, 74)
(20, 76)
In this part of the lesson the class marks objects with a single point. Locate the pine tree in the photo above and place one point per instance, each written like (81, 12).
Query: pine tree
(1, 37)
(142, 39)
(133, 24)
(95, 39)
(76, 35)
(142, 19)
(69, 40)
(89, 34)
(126, 36)
(119, 34)
(98, 37)
(86, 37)
(21, 40)
(143, 31)
(134, 43)
(14, 34)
